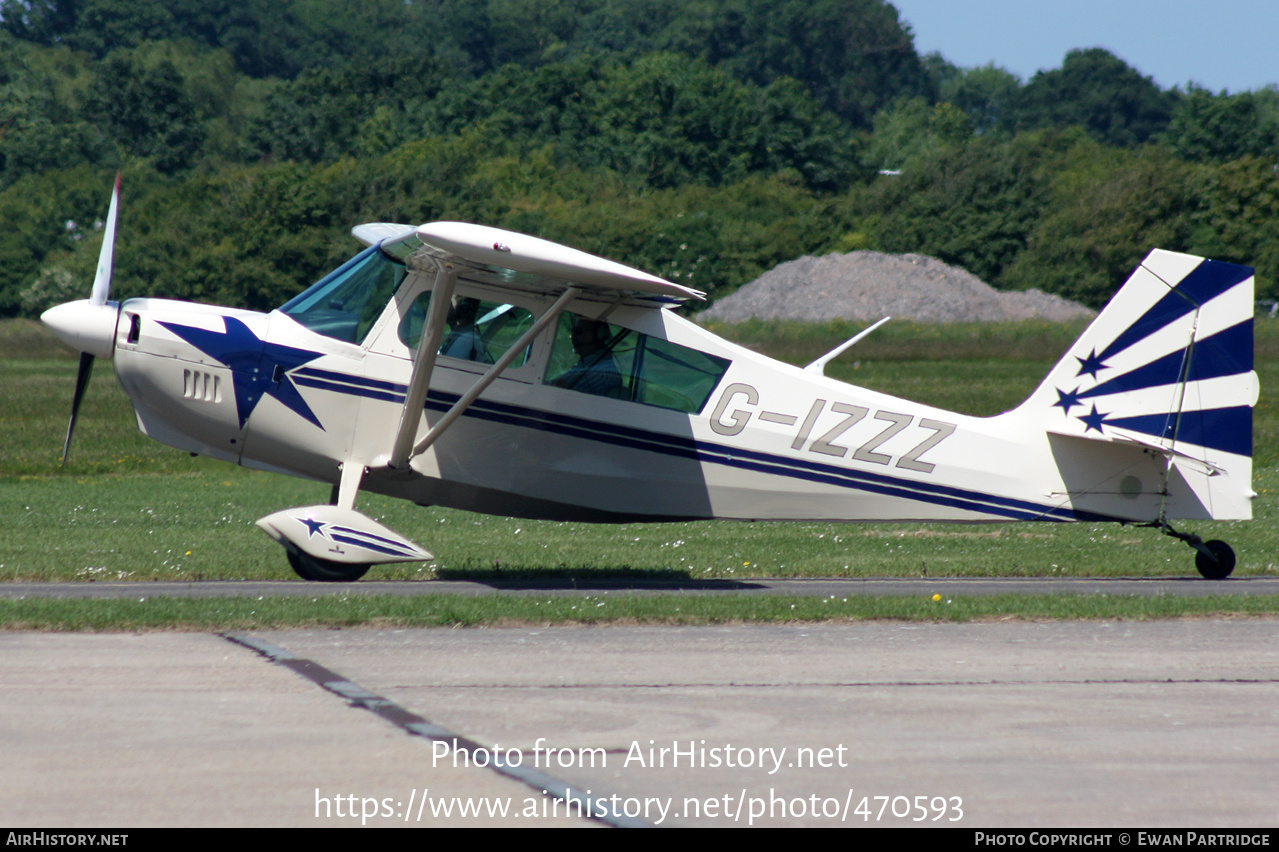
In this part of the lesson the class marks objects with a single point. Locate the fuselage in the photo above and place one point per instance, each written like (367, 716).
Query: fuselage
(746, 437)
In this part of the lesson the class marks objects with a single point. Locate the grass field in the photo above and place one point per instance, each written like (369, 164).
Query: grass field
(127, 508)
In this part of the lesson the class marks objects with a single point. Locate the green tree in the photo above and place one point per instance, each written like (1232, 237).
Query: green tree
(1238, 219)
(663, 118)
(911, 132)
(855, 56)
(146, 110)
(104, 25)
(1108, 209)
(321, 115)
(1096, 89)
(38, 21)
(48, 219)
(972, 205)
(624, 28)
(39, 125)
(1207, 127)
(988, 95)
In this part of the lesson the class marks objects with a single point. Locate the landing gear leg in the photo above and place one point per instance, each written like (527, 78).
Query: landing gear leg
(1214, 559)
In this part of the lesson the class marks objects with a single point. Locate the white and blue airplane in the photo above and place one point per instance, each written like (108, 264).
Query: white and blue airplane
(459, 365)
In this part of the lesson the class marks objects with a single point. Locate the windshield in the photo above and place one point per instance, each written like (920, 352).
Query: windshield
(345, 303)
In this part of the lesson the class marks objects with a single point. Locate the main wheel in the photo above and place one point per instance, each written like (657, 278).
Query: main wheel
(1217, 566)
(324, 570)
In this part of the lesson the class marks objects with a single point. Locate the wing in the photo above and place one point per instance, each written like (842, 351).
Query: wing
(495, 256)
(506, 258)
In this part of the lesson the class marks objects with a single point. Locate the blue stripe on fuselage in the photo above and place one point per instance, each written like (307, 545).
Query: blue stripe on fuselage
(703, 451)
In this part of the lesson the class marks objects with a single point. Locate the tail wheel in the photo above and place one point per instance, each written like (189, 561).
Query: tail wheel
(1217, 562)
(326, 570)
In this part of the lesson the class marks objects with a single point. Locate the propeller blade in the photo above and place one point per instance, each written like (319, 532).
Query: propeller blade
(106, 258)
(97, 298)
(81, 382)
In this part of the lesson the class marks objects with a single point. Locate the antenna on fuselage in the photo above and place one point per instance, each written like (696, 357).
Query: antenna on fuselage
(819, 366)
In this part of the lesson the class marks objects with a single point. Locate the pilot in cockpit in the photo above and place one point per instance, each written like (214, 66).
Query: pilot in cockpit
(595, 372)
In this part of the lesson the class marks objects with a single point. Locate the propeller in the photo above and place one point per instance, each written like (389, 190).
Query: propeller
(89, 325)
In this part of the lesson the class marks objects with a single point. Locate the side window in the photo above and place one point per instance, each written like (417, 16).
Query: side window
(674, 376)
(345, 303)
(606, 360)
(585, 356)
(476, 330)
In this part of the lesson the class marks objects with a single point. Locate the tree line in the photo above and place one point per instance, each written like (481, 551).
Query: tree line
(705, 141)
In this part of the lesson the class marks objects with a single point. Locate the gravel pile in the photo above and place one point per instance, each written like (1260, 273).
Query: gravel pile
(867, 285)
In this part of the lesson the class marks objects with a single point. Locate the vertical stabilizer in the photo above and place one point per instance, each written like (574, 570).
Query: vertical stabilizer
(1167, 365)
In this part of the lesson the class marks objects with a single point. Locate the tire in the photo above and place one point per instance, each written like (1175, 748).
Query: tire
(324, 570)
(1217, 566)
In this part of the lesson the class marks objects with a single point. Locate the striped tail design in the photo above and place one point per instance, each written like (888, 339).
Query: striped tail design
(1167, 366)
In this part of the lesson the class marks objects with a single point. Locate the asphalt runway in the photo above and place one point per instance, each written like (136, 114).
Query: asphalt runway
(971, 725)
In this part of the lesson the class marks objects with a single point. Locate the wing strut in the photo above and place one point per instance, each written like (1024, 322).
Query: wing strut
(428, 347)
(493, 372)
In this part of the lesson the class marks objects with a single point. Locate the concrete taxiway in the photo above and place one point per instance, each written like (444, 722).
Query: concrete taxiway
(976, 725)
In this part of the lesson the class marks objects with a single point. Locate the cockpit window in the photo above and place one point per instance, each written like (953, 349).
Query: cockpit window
(592, 356)
(478, 330)
(345, 303)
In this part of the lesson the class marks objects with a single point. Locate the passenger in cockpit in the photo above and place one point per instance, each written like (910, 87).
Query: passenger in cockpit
(465, 340)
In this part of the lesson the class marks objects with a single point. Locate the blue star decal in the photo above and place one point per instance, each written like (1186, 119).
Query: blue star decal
(1067, 400)
(313, 526)
(257, 367)
(1090, 365)
(1094, 420)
